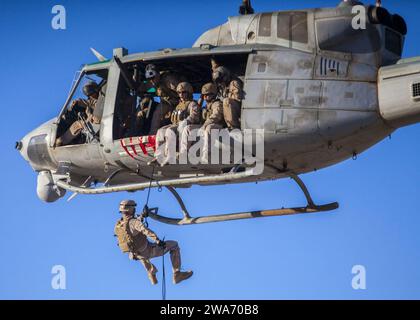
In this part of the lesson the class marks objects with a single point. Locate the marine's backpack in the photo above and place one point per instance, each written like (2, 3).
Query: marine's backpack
(123, 234)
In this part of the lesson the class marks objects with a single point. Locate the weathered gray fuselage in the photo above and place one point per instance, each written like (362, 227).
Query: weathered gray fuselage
(313, 88)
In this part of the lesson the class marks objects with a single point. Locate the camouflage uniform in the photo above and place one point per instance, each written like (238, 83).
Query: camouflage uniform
(186, 114)
(213, 115)
(133, 236)
(232, 96)
(147, 250)
(214, 119)
(86, 108)
(166, 90)
(231, 93)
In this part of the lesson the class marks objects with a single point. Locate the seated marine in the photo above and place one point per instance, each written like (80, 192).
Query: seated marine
(80, 114)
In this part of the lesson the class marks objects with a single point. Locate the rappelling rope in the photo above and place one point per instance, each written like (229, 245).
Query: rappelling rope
(146, 214)
(146, 205)
(150, 187)
(163, 272)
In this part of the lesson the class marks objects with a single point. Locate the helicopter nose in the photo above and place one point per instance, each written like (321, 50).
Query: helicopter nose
(35, 147)
(22, 147)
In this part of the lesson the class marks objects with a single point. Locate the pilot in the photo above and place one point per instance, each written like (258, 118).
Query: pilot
(213, 119)
(133, 234)
(230, 92)
(165, 84)
(186, 113)
(80, 107)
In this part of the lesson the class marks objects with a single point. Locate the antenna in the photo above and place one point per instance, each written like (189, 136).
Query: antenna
(246, 7)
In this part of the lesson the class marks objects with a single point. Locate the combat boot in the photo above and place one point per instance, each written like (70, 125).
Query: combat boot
(181, 276)
(152, 278)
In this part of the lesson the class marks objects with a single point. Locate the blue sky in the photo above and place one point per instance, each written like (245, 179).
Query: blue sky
(308, 257)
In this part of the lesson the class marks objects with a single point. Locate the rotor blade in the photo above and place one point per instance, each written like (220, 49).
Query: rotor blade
(98, 55)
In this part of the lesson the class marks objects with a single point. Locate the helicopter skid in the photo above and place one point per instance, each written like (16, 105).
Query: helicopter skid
(187, 219)
(311, 207)
(244, 215)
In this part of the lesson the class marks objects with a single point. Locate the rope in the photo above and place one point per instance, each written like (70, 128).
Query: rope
(146, 208)
(150, 186)
(163, 274)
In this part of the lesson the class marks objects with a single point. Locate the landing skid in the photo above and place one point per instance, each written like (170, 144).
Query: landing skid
(187, 219)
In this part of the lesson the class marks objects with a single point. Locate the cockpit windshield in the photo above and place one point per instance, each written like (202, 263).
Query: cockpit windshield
(80, 119)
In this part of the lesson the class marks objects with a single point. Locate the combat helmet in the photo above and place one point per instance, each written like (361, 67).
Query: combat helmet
(209, 89)
(90, 88)
(185, 86)
(126, 205)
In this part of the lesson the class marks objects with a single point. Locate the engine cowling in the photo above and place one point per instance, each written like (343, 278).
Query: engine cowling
(399, 93)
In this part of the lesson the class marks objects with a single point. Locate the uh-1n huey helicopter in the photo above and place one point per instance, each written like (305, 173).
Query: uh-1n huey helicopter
(322, 91)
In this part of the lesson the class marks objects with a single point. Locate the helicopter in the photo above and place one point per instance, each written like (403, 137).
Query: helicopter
(321, 91)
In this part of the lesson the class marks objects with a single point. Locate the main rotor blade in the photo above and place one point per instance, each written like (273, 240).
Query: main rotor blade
(98, 55)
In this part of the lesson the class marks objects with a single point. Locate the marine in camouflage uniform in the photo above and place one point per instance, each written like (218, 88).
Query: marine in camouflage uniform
(212, 116)
(165, 84)
(230, 92)
(133, 235)
(83, 107)
(186, 114)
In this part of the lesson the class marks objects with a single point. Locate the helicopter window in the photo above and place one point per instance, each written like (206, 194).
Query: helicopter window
(264, 29)
(393, 42)
(339, 35)
(283, 26)
(299, 27)
(195, 69)
(80, 121)
(293, 26)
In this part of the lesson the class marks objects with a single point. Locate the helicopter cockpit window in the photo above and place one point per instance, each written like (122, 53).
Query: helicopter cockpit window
(264, 29)
(80, 121)
(339, 35)
(293, 26)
